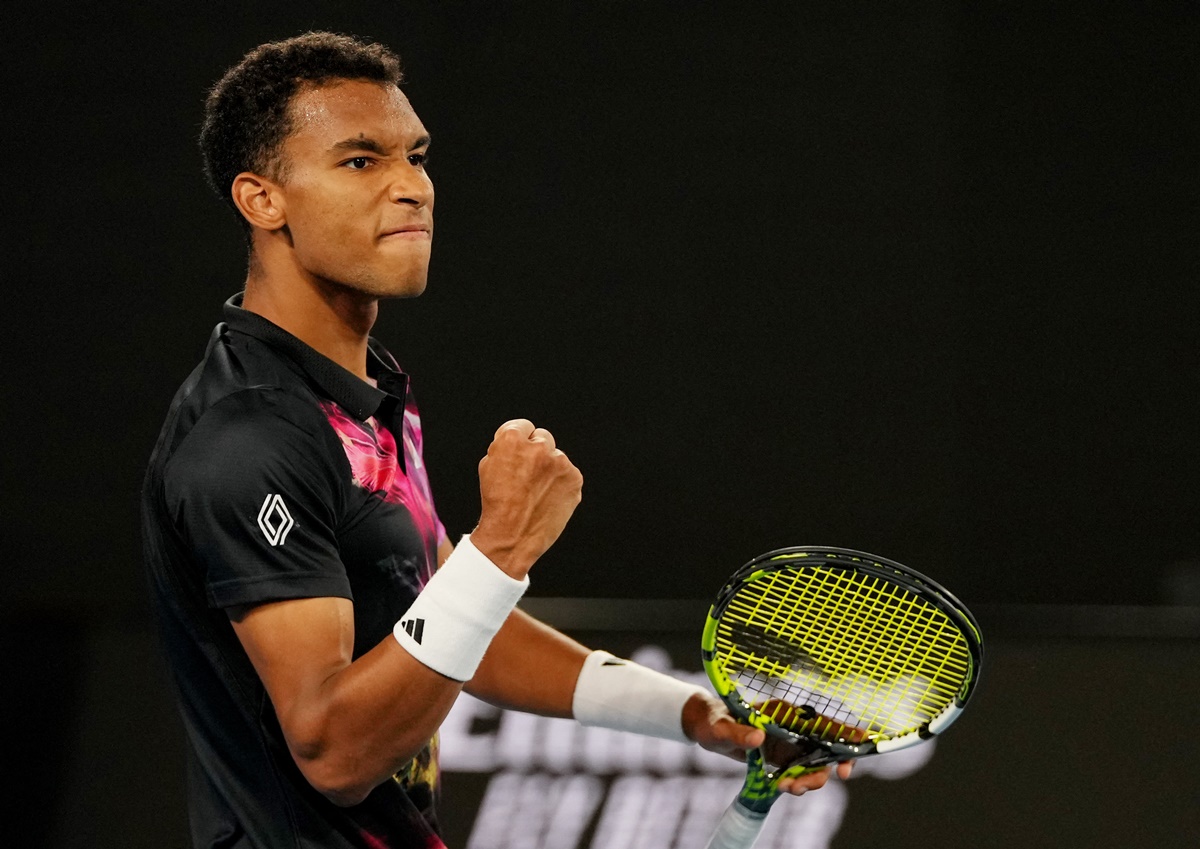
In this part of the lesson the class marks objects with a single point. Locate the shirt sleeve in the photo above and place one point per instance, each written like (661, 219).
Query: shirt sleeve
(255, 492)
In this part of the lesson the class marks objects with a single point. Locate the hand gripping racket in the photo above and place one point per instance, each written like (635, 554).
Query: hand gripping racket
(839, 653)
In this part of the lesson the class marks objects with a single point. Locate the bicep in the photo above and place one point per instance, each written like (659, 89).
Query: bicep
(296, 647)
(349, 725)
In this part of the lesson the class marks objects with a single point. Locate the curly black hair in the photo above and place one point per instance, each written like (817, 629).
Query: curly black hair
(247, 115)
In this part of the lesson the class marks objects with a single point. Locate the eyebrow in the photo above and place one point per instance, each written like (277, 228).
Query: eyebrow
(372, 145)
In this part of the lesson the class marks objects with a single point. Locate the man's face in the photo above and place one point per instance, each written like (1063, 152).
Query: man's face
(359, 205)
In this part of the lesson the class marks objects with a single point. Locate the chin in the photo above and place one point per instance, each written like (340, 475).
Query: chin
(404, 280)
(393, 280)
(403, 286)
(411, 291)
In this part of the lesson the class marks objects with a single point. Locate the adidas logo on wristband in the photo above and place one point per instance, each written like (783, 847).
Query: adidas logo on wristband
(465, 603)
(414, 628)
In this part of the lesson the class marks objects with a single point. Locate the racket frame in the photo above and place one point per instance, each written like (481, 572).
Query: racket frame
(845, 559)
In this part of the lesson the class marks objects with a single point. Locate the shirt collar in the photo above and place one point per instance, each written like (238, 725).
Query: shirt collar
(354, 395)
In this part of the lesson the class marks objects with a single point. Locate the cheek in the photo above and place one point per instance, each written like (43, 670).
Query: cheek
(328, 223)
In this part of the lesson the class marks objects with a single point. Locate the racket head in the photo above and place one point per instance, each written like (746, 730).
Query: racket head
(840, 652)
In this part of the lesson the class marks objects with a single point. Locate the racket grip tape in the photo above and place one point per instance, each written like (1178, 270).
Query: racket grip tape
(738, 828)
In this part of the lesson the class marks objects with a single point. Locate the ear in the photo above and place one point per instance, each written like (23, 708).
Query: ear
(260, 201)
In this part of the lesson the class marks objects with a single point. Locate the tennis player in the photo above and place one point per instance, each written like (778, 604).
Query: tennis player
(317, 621)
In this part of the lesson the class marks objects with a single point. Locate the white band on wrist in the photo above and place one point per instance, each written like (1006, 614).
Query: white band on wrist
(453, 620)
(623, 695)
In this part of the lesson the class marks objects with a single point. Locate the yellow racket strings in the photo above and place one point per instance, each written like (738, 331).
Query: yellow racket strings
(840, 653)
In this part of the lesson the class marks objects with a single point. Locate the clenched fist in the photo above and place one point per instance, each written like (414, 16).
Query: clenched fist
(529, 490)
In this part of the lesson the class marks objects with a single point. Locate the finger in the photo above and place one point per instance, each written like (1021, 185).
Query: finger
(523, 427)
(540, 433)
(790, 786)
(844, 768)
(746, 736)
(801, 784)
(729, 730)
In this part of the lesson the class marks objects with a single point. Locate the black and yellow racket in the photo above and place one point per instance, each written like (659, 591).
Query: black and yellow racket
(836, 654)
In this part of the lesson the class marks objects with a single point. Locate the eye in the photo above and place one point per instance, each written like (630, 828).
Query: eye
(420, 160)
(358, 163)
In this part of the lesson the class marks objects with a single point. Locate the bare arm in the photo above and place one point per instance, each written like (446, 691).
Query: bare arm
(352, 724)
(532, 667)
(349, 726)
(529, 667)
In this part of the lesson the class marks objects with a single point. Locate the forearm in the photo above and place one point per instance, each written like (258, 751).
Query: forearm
(376, 713)
(529, 667)
(533, 668)
(367, 732)
(350, 725)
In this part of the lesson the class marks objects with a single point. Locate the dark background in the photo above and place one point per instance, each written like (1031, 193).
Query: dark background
(919, 281)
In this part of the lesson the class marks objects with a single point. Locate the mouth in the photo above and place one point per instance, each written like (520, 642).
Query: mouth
(412, 232)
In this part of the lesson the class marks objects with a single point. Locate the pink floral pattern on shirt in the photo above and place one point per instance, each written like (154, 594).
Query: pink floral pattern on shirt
(375, 464)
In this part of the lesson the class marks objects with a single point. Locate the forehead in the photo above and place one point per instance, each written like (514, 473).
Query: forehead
(323, 115)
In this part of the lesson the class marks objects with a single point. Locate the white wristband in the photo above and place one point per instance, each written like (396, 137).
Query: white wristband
(453, 620)
(623, 695)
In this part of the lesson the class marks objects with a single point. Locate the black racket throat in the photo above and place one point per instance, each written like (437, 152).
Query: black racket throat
(813, 752)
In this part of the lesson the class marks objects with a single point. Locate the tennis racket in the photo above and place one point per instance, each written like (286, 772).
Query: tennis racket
(840, 654)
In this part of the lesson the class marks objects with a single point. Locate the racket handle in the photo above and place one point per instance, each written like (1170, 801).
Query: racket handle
(738, 828)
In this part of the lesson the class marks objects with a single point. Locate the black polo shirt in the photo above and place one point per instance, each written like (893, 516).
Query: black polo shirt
(280, 475)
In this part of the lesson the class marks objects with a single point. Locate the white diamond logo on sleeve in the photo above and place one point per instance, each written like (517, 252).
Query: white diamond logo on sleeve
(275, 520)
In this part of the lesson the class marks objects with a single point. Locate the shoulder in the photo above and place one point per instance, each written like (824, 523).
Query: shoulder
(252, 420)
(257, 418)
(255, 437)
(245, 396)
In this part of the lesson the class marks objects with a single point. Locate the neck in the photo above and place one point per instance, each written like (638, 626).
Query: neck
(331, 319)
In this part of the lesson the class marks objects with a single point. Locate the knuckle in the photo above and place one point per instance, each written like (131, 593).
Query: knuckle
(514, 429)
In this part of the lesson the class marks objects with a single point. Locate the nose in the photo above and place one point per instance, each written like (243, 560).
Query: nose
(412, 186)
